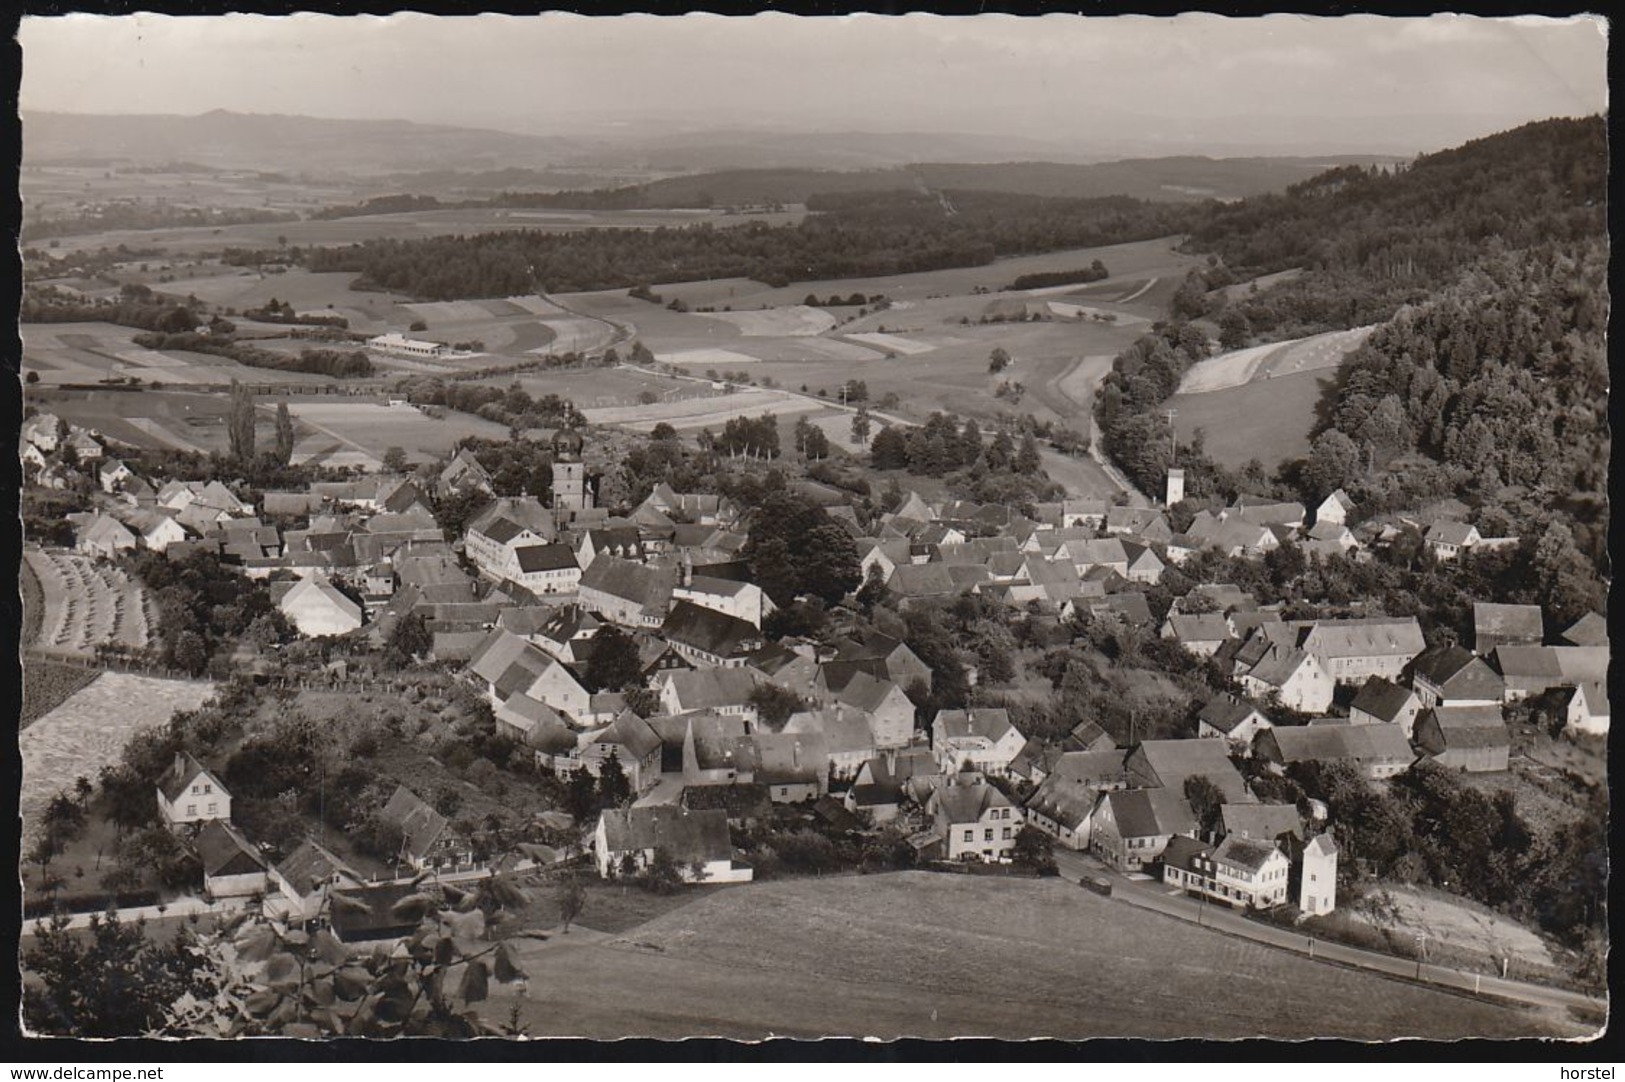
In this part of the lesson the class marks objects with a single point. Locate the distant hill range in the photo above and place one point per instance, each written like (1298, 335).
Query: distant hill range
(720, 167)
(1181, 179)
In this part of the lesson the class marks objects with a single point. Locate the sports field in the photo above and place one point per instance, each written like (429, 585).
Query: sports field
(918, 954)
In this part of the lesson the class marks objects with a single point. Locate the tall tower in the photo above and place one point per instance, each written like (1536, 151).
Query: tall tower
(570, 493)
(1176, 487)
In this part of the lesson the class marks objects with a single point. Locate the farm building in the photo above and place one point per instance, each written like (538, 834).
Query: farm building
(1471, 738)
(1064, 804)
(740, 600)
(1165, 764)
(303, 879)
(886, 706)
(1335, 509)
(633, 743)
(1449, 674)
(1292, 674)
(105, 536)
(1261, 822)
(849, 742)
(793, 767)
(1589, 630)
(627, 593)
(1383, 702)
(232, 867)
(875, 793)
(628, 840)
(708, 637)
(546, 569)
(1131, 827)
(1202, 634)
(399, 345)
(494, 536)
(1379, 751)
(721, 690)
(1505, 625)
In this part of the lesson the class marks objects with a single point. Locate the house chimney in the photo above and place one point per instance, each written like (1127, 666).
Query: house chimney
(688, 568)
(180, 764)
(795, 754)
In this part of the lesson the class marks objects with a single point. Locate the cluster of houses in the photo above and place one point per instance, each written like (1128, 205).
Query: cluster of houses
(519, 601)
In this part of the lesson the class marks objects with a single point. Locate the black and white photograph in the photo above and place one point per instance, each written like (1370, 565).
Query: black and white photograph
(805, 526)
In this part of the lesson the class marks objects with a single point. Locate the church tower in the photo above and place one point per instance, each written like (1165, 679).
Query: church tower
(1176, 487)
(570, 492)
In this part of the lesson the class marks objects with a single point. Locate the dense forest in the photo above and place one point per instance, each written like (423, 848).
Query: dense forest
(1484, 266)
(853, 235)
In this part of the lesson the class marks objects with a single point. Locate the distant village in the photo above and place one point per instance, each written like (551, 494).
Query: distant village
(722, 721)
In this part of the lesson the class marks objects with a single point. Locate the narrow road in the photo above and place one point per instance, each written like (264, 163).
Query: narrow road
(1152, 894)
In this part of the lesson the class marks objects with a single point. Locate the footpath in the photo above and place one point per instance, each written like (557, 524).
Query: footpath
(1147, 893)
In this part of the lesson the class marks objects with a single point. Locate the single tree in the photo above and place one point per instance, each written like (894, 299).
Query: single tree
(284, 434)
(408, 640)
(395, 460)
(860, 426)
(614, 662)
(571, 898)
(998, 360)
(240, 423)
(614, 787)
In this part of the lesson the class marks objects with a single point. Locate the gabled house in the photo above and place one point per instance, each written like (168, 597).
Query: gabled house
(1448, 539)
(1350, 651)
(875, 793)
(558, 631)
(112, 474)
(973, 820)
(154, 529)
(1470, 738)
(1064, 804)
(43, 430)
(1201, 634)
(982, 739)
(462, 475)
(1088, 736)
(717, 690)
(316, 608)
(1335, 509)
(428, 842)
(621, 542)
(794, 767)
(1145, 523)
(1228, 717)
(697, 843)
(1132, 827)
(848, 740)
(710, 638)
(633, 743)
(879, 557)
(188, 792)
(1588, 708)
(1292, 674)
(627, 593)
(492, 537)
(1379, 751)
(303, 879)
(1450, 674)
(1505, 625)
(740, 600)
(1383, 702)
(902, 666)
(887, 707)
(545, 569)
(1088, 513)
(1240, 872)
(1262, 822)
(105, 536)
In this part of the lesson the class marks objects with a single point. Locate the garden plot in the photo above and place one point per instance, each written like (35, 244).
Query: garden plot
(87, 604)
(90, 729)
(793, 321)
(893, 343)
(712, 411)
(711, 358)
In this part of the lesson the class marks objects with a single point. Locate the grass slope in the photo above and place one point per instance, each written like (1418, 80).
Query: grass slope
(920, 954)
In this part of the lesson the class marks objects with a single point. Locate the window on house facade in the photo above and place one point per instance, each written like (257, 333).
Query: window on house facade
(212, 808)
(970, 835)
(987, 835)
(1006, 832)
(191, 809)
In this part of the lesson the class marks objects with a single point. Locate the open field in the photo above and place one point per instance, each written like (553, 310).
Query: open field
(589, 387)
(85, 603)
(792, 321)
(89, 730)
(1451, 922)
(49, 684)
(371, 428)
(1269, 420)
(1243, 366)
(921, 954)
(93, 352)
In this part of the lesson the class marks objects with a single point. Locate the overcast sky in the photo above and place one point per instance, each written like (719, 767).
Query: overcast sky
(1421, 82)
